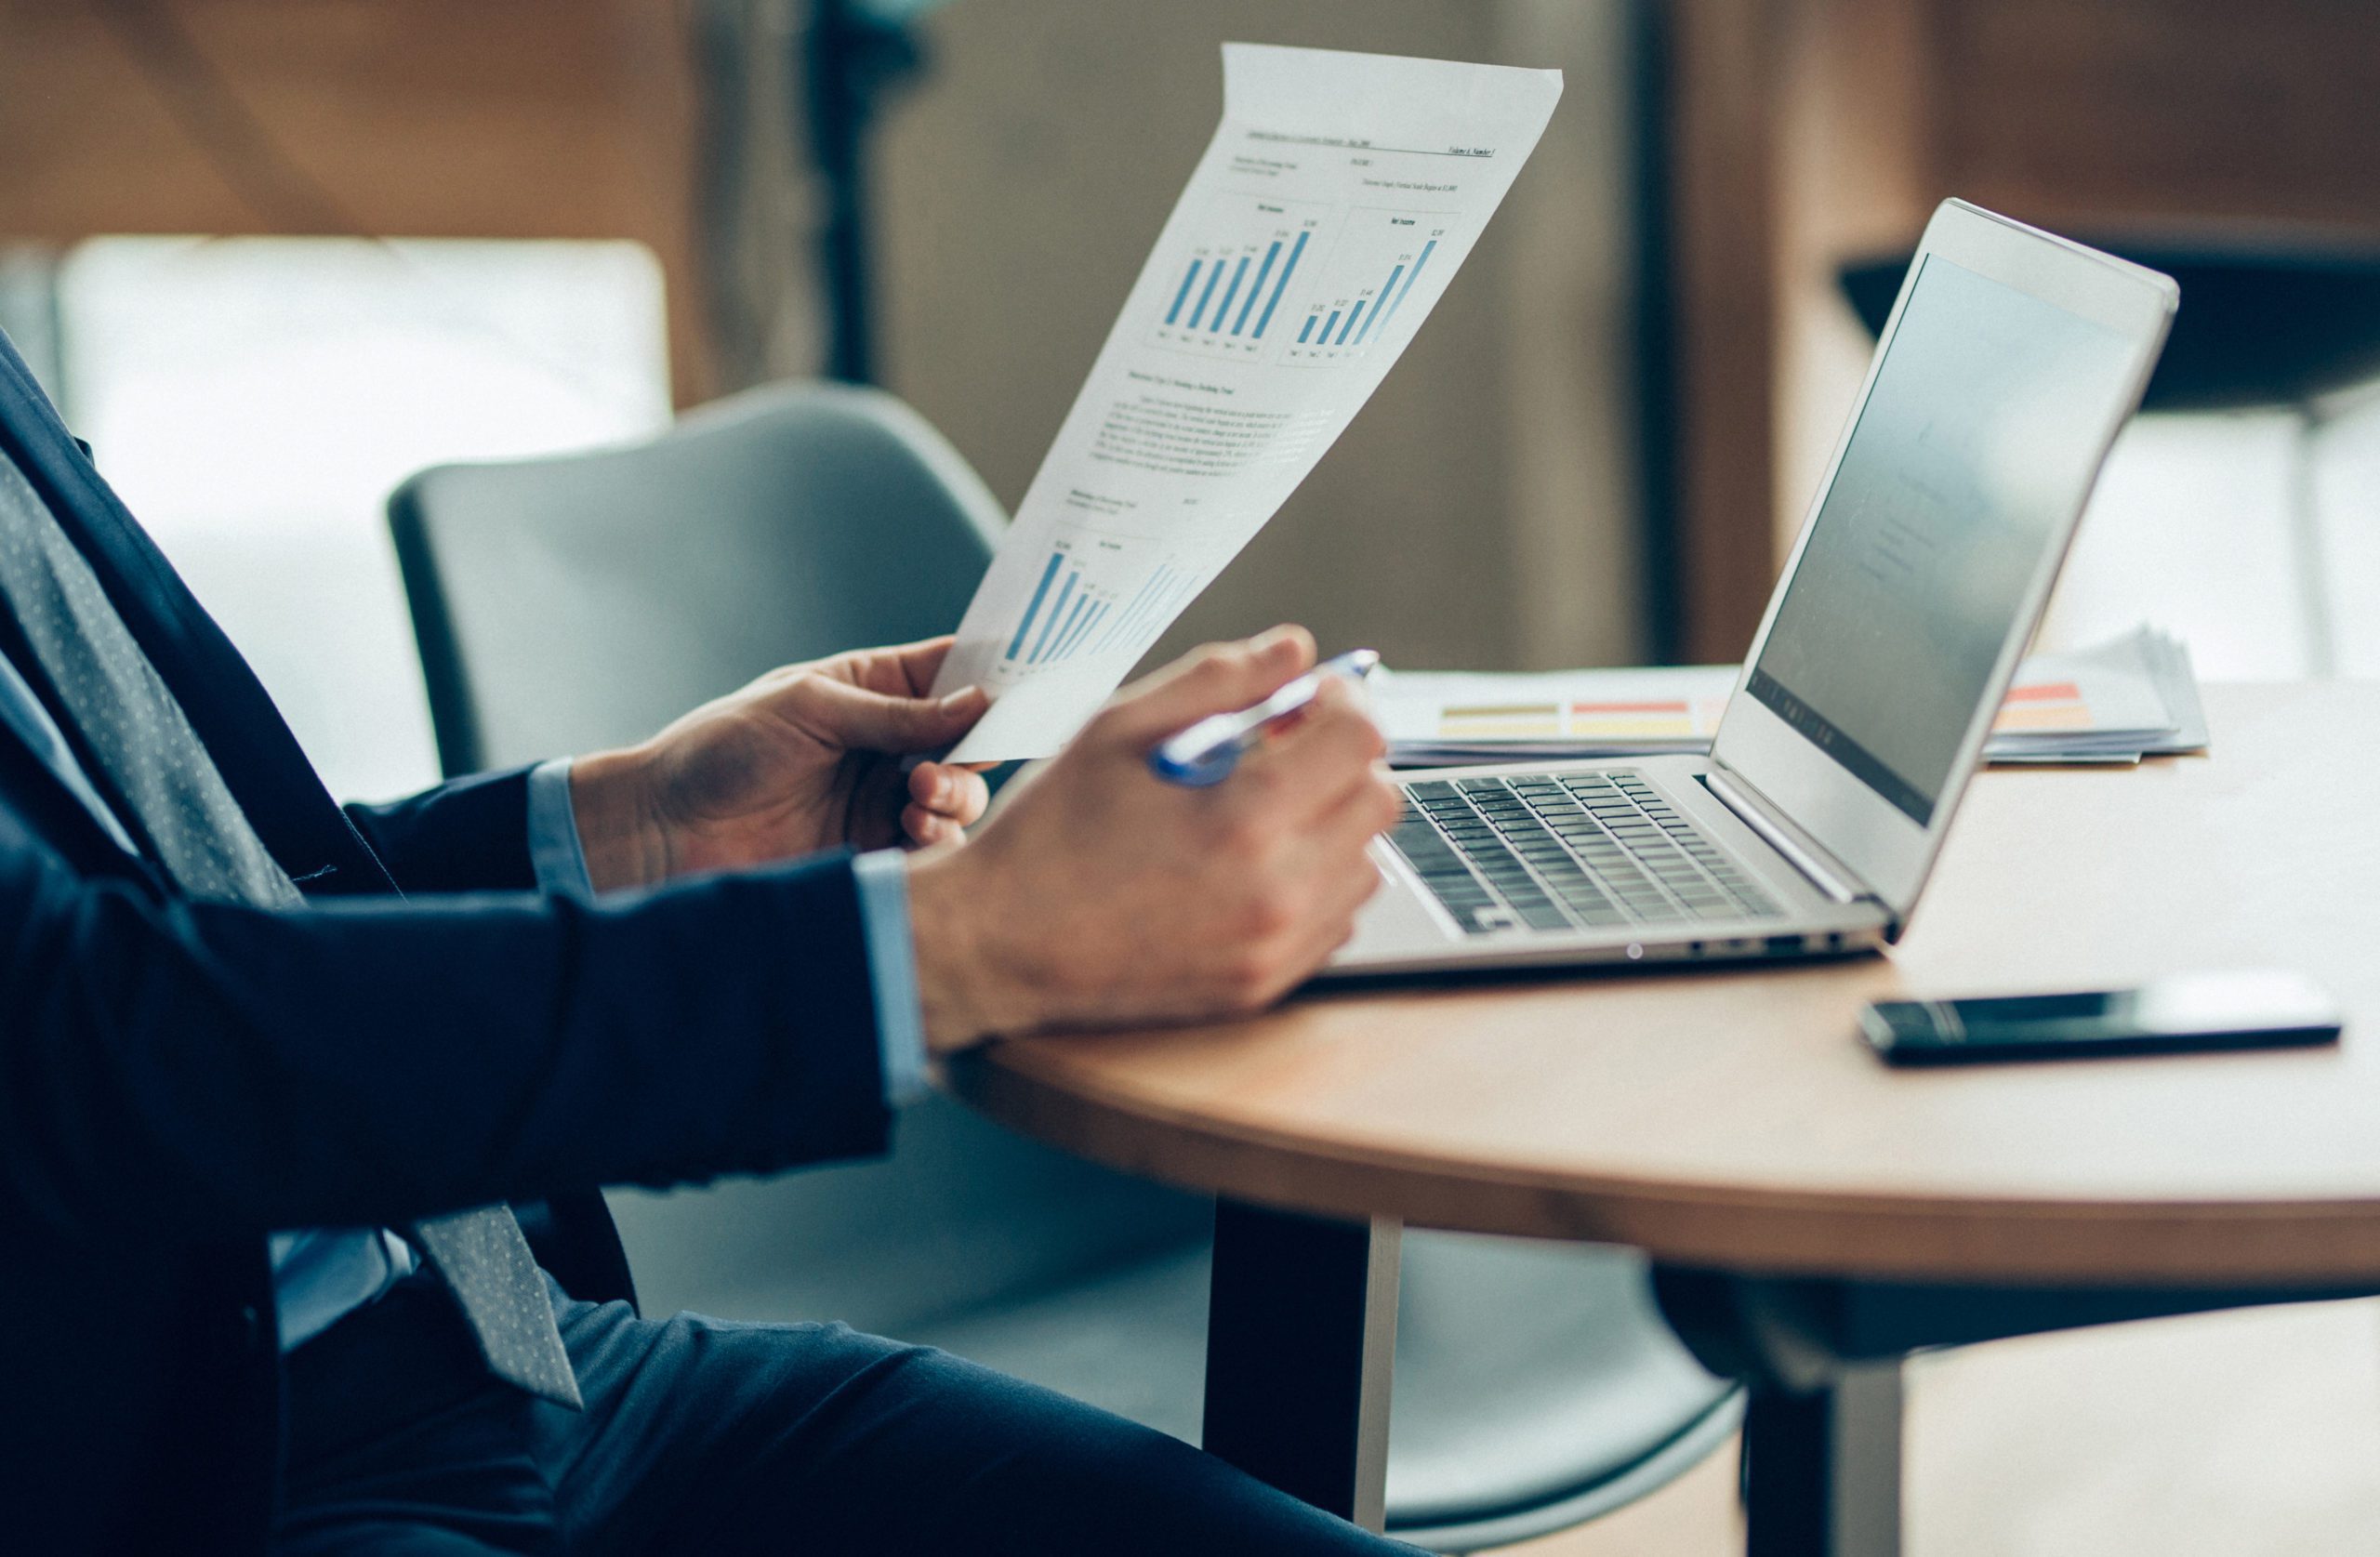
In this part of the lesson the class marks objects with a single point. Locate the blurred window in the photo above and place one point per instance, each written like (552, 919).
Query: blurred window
(254, 399)
(2191, 528)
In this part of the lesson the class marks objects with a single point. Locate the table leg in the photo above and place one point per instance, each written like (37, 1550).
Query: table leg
(1301, 1336)
(1822, 1468)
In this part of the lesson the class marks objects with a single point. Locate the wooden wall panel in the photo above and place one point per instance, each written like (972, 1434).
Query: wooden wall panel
(2163, 110)
(434, 118)
(1724, 104)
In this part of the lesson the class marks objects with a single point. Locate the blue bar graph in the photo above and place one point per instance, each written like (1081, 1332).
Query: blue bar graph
(1134, 608)
(1328, 325)
(1280, 286)
(1134, 624)
(1175, 312)
(1066, 629)
(1409, 280)
(1213, 276)
(1049, 622)
(1123, 619)
(1306, 329)
(1073, 641)
(1358, 313)
(1057, 559)
(1239, 275)
(1385, 293)
(1261, 271)
(1066, 633)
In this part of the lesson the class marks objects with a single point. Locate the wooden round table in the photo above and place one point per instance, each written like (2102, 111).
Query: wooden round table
(1730, 1120)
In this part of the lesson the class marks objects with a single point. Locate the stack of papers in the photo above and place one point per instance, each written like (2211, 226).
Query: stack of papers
(2133, 697)
(2120, 701)
(1441, 717)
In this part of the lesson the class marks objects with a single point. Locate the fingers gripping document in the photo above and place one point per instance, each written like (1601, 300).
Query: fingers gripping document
(1340, 195)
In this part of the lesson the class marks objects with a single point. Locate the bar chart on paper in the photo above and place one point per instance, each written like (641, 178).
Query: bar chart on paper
(1359, 296)
(1226, 298)
(1097, 596)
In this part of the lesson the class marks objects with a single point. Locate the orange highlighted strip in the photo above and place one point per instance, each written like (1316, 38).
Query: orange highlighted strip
(1666, 705)
(2073, 716)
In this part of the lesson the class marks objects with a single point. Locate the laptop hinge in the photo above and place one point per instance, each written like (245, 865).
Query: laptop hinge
(1825, 872)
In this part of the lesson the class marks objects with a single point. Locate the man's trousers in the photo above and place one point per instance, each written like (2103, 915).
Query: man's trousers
(705, 1437)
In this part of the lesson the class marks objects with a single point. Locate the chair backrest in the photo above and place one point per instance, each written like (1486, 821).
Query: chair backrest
(581, 602)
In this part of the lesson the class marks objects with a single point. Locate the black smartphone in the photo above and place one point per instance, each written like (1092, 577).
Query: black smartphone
(2176, 1015)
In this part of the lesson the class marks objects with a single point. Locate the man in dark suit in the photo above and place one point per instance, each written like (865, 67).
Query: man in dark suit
(302, 1110)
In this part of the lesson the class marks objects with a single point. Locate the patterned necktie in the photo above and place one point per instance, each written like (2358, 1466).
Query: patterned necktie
(145, 744)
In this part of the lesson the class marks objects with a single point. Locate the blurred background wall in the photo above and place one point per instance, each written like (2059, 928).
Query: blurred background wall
(1483, 508)
(386, 233)
(1017, 158)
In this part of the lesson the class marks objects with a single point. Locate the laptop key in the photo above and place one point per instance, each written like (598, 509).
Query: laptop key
(1551, 853)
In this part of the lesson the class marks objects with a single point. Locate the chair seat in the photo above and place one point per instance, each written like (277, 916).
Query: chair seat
(1529, 1376)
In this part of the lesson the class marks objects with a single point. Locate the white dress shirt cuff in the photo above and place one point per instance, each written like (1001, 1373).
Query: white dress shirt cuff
(556, 857)
(883, 878)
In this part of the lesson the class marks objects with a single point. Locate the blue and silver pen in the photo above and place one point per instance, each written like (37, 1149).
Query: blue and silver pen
(1209, 750)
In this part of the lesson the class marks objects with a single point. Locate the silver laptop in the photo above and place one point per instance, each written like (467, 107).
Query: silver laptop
(2011, 359)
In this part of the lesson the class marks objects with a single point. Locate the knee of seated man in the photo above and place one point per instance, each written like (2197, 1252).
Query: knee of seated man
(724, 1359)
(866, 1430)
(919, 1401)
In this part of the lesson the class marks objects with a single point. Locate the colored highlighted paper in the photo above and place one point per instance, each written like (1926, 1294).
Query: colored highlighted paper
(2116, 702)
(1465, 717)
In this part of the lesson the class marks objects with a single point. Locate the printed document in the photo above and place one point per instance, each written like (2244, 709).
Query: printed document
(1340, 195)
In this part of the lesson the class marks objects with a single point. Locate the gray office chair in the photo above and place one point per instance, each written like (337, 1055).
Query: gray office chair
(580, 602)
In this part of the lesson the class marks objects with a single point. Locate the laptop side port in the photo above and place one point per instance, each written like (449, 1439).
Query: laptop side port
(1786, 945)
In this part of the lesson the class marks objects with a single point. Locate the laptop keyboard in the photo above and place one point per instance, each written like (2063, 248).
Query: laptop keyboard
(1568, 851)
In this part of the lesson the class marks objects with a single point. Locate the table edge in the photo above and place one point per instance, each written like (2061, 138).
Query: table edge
(1907, 1236)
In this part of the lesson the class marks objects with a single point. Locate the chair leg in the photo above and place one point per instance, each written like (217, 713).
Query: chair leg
(1822, 1469)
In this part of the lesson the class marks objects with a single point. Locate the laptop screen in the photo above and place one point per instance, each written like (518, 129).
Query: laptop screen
(1982, 424)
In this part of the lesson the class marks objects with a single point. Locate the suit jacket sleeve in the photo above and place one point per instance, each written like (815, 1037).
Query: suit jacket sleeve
(176, 1071)
(469, 836)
